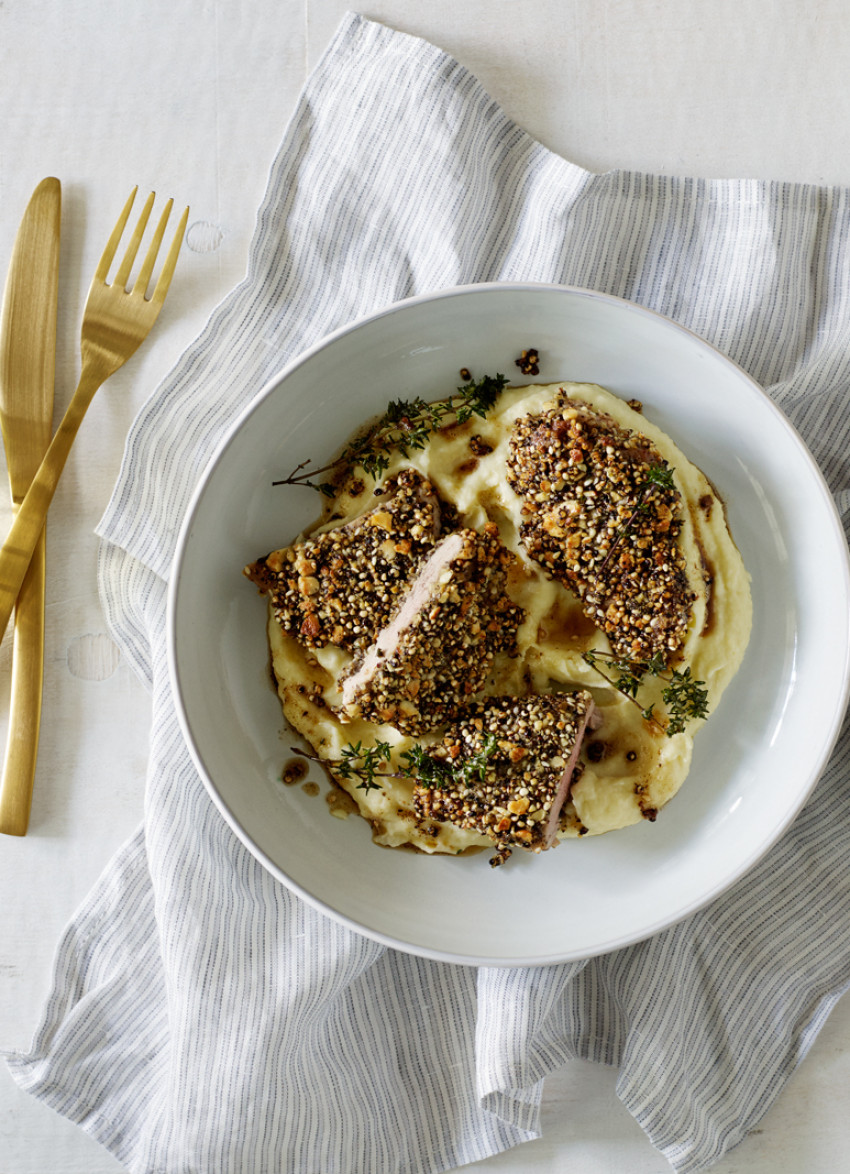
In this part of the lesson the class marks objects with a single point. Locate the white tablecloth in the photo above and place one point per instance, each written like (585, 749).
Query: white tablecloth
(86, 656)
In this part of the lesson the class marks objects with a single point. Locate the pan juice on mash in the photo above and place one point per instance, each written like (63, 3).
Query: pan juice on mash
(518, 608)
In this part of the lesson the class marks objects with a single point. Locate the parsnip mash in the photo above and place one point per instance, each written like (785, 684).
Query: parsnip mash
(631, 766)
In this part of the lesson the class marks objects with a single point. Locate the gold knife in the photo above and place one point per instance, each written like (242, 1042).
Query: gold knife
(27, 369)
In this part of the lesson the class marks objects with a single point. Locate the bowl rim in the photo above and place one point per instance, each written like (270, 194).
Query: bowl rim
(818, 760)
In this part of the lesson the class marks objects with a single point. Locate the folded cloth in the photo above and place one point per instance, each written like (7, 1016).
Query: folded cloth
(203, 1017)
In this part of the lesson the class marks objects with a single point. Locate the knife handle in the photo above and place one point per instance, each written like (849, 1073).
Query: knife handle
(25, 710)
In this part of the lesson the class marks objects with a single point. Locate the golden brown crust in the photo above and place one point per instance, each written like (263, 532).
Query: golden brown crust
(598, 523)
(341, 587)
(524, 747)
(443, 653)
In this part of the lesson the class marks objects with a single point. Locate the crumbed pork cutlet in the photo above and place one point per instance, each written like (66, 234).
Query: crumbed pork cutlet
(342, 587)
(439, 646)
(596, 520)
(526, 773)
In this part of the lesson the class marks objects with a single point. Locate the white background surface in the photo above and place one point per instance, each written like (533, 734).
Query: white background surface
(191, 97)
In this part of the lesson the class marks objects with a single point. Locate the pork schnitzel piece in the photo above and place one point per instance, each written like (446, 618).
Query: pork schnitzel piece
(437, 650)
(602, 515)
(342, 586)
(512, 761)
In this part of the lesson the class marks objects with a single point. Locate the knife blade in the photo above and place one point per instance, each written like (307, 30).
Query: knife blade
(27, 370)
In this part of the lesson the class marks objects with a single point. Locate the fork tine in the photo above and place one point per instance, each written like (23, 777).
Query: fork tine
(112, 243)
(150, 258)
(161, 288)
(123, 274)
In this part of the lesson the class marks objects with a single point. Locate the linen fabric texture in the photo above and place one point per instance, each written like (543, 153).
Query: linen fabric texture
(203, 1018)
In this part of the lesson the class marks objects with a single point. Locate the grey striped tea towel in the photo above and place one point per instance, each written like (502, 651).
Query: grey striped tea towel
(203, 1018)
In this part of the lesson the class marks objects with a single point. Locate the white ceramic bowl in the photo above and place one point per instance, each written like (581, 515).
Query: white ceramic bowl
(754, 763)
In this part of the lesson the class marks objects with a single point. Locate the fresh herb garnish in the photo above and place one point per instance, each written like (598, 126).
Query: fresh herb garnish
(437, 773)
(357, 763)
(364, 764)
(405, 427)
(657, 477)
(684, 698)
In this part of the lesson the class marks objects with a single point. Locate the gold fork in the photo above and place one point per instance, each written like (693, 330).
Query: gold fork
(115, 322)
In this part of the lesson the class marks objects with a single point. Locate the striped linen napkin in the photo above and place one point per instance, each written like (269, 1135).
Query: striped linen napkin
(205, 1019)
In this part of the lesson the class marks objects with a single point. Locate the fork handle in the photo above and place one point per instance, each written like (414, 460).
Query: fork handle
(29, 522)
(25, 708)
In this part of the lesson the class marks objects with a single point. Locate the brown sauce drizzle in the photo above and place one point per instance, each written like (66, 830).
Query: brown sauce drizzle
(566, 625)
(479, 447)
(708, 571)
(340, 803)
(452, 431)
(648, 812)
(596, 751)
(293, 772)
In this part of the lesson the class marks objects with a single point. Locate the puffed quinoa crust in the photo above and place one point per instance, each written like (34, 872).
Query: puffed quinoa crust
(593, 523)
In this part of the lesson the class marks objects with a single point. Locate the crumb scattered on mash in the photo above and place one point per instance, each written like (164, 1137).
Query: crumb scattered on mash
(630, 768)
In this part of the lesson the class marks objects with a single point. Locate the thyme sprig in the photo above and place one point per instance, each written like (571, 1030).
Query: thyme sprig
(437, 773)
(684, 698)
(358, 762)
(657, 477)
(365, 764)
(406, 426)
